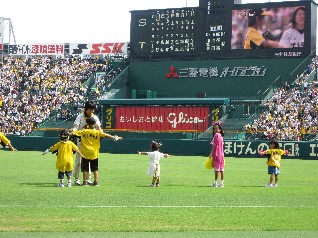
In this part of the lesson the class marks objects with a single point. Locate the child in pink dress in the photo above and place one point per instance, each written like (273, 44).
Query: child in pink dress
(217, 154)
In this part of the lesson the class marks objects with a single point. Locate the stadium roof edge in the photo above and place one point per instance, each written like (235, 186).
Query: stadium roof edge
(167, 101)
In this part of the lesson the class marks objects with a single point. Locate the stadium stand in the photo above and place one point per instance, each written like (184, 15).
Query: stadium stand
(45, 92)
(292, 111)
(37, 89)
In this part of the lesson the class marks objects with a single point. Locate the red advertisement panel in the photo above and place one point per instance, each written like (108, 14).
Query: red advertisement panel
(155, 118)
(36, 49)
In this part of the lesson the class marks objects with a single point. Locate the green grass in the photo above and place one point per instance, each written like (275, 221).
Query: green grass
(184, 206)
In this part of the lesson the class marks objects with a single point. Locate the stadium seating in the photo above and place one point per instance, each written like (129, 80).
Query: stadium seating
(32, 89)
(45, 92)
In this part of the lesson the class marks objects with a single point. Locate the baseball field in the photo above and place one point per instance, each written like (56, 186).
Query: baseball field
(185, 204)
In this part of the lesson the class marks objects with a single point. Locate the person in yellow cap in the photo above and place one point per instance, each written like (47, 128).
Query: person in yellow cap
(253, 38)
(4, 141)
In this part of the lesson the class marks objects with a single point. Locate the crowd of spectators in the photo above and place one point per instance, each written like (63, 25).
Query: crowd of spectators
(30, 89)
(290, 114)
(113, 68)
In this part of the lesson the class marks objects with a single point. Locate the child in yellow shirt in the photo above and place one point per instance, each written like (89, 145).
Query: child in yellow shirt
(64, 150)
(90, 140)
(4, 141)
(273, 162)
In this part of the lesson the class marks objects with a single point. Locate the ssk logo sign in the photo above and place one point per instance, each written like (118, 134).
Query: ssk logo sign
(100, 48)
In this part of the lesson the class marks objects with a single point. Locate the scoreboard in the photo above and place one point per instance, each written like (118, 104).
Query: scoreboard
(216, 30)
(165, 31)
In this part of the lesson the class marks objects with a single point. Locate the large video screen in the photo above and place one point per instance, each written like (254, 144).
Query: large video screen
(220, 30)
(282, 27)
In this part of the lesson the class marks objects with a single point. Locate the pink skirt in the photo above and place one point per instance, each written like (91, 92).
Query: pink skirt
(218, 164)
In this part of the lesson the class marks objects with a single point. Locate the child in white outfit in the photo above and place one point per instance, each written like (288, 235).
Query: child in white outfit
(154, 166)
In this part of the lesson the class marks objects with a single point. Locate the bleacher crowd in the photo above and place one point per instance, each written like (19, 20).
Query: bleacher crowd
(291, 113)
(30, 89)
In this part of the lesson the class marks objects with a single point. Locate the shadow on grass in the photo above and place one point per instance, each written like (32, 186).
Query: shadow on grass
(176, 185)
(145, 186)
(250, 186)
(209, 186)
(43, 185)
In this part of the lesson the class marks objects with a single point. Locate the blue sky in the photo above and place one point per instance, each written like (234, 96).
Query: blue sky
(78, 21)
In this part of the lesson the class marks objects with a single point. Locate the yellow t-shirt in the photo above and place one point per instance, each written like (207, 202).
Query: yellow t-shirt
(275, 156)
(253, 39)
(64, 160)
(90, 140)
(4, 139)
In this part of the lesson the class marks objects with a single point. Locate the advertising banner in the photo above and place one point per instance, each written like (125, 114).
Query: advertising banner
(99, 48)
(162, 118)
(36, 49)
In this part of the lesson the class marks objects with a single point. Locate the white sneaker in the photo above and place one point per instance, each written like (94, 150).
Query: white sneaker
(221, 185)
(77, 182)
(152, 185)
(60, 185)
(275, 185)
(215, 184)
(68, 185)
(269, 185)
(89, 182)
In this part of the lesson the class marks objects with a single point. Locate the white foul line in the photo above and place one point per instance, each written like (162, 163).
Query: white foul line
(150, 206)
(186, 206)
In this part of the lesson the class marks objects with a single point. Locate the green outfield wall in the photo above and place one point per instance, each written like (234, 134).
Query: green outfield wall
(213, 78)
(232, 148)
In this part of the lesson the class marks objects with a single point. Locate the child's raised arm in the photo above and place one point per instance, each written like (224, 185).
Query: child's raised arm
(115, 137)
(11, 147)
(46, 151)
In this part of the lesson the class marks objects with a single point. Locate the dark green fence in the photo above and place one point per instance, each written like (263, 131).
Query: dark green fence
(232, 148)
